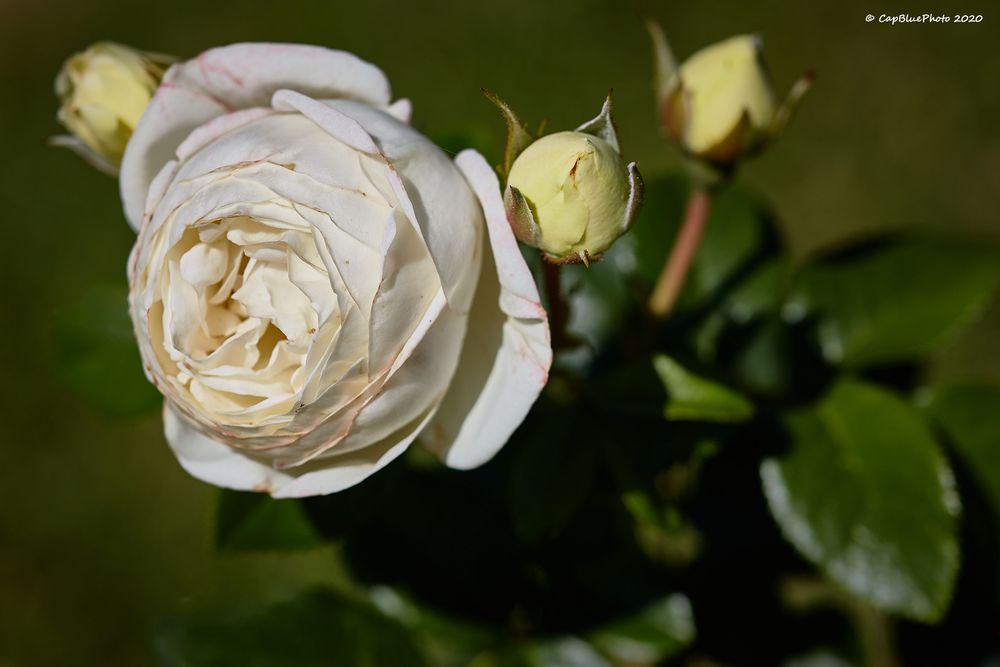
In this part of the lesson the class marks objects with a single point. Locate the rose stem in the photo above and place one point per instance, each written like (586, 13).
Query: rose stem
(668, 286)
(558, 310)
(878, 640)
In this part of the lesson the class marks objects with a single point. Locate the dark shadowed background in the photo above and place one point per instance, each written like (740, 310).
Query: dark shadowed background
(102, 534)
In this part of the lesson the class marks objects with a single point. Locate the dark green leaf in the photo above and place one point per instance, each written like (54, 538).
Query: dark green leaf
(565, 652)
(761, 294)
(694, 398)
(317, 629)
(970, 416)
(765, 348)
(653, 634)
(766, 364)
(550, 477)
(255, 521)
(448, 641)
(736, 232)
(98, 357)
(598, 298)
(898, 301)
(819, 658)
(865, 493)
(556, 652)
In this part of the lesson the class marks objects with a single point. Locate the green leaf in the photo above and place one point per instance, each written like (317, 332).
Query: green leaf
(778, 361)
(764, 348)
(819, 658)
(255, 521)
(970, 416)
(736, 232)
(550, 476)
(761, 294)
(765, 366)
(866, 494)
(565, 652)
(694, 398)
(97, 354)
(319, 628)
(898, 301)
(649, 636)
(559, 651)
(448, 641)
(599, 298)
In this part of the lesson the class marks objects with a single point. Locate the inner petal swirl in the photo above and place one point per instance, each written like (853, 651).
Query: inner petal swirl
(242, 299)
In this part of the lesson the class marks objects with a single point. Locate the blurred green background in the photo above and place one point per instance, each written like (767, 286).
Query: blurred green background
(102, 534)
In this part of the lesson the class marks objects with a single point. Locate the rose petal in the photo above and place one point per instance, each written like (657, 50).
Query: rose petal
(349, 469)
(218, 127)
(409, 284)
(215, 463)
(401, 109)
(415, 384)
(231, 78)
(507, 353)
(445, 205)
(333, 122)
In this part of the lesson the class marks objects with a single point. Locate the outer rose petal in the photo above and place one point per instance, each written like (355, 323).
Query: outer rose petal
(215, 463)
(228, 79)
(507, 353)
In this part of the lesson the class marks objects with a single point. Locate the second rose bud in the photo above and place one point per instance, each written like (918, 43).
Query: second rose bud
(719, 104)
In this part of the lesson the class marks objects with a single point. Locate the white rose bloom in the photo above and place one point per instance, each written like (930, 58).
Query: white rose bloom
(314, 284)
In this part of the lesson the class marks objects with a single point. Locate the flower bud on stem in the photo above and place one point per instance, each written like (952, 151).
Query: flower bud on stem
(570, 194)
(671, 280)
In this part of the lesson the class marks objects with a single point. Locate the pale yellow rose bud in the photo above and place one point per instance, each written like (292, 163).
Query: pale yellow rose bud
(719, 104)
(722, 102)
(571, 195)
(104, 91)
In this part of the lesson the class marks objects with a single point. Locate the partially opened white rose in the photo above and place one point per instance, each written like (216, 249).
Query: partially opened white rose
(314, 284)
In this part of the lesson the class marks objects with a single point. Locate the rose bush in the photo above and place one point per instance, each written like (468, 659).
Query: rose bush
(315, 283)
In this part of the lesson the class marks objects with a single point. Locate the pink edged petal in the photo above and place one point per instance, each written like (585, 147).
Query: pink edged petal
(215, 128)
(417, 380)
(211, 461)
(345, 471)
(434, 195)
(231, 78)
(395, 411)
(220, 465)
(333, 122)
(507, 353)
(405, 295)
